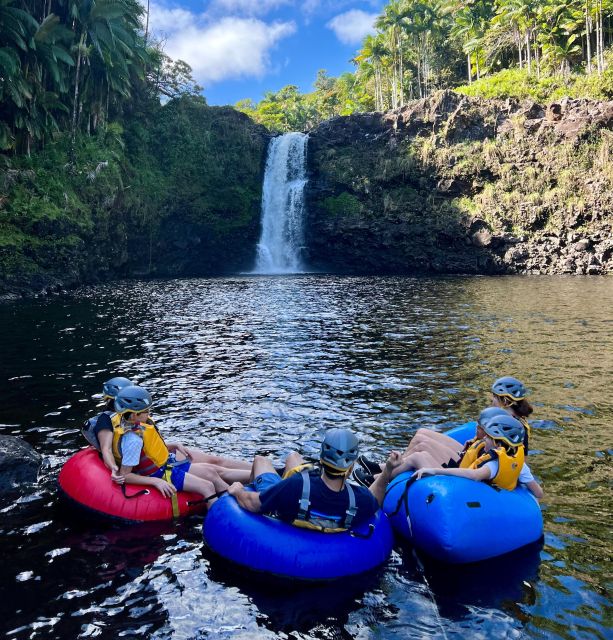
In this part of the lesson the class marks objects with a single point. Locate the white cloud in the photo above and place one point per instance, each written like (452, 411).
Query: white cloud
(228, 48)
(165, 20)
(247, 7)
(351, 27)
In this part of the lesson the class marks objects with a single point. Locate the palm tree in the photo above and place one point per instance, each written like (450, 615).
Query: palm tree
(374, 51)
(392, 24)
(105, 28)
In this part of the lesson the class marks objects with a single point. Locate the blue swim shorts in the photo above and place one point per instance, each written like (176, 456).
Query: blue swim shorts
(177, 471)
(266, 480)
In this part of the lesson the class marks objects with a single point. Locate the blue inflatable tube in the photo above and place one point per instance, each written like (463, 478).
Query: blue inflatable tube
(269, 546)
(458, 520)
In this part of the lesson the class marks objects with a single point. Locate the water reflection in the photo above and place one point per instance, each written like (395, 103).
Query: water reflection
(244, 365)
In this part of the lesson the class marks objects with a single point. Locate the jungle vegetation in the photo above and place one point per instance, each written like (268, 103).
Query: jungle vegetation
(541, 49)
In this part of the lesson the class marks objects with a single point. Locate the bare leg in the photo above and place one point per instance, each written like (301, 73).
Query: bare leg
(294, 459)
(229, 463)
(208, 473)
(261, 465)
(441, 453)
(427, 440)
(199, 485)
(415, 461)
(227, 475)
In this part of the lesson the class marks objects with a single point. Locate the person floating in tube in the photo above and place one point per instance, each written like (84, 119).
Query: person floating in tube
(316, 498)
(499, 458)
(146, 459)
(98, 430)
(429, 448)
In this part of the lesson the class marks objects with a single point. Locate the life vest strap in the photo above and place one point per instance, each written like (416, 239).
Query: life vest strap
(304, 503)
(124, 490)
(173, 498)
(352, 510)
(319, 522)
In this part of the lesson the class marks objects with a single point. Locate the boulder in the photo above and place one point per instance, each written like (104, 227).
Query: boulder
(19, 464)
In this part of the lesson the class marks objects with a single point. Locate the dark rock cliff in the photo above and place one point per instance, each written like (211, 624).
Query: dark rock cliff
(452, 184)
(176, 193)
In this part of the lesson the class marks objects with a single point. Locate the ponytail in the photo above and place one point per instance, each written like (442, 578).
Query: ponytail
(522, 408)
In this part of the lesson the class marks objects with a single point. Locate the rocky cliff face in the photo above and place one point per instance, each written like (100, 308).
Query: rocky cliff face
(452, 184)
(174, 194)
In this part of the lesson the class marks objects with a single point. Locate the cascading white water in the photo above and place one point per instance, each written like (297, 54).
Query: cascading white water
(282, 236)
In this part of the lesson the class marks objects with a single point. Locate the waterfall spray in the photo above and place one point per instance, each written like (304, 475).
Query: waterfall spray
(282, 236)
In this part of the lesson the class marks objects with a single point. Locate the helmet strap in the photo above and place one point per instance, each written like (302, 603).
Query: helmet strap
(333, 473)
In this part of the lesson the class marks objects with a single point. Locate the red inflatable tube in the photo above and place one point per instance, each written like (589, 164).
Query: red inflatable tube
(86, 480)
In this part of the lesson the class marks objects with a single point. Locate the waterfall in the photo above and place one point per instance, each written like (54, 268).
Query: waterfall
(282, 236)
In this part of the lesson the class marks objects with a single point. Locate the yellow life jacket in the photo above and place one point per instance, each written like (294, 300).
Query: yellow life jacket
(307, 466)
(154, 454)
(509, 467)
(309, 519)
(89, 428)
(471, 454)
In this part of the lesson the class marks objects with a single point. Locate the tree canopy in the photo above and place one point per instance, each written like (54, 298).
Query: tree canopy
(421, 46)
(75, 65)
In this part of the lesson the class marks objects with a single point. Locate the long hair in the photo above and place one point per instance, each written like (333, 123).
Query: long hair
(519, 407)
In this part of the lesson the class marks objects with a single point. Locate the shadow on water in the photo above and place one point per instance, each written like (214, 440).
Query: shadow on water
(494, 583)
(64, 555)
(286, 605)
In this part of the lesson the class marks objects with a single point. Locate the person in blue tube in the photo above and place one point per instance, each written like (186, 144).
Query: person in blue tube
(316, 498)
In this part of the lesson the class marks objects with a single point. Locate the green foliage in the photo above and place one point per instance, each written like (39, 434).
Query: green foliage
(343, 205)
(176, 190)
(509, 48)
(518, 83)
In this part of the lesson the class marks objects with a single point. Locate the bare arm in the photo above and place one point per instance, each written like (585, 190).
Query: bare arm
(174, 447)
(248, 500)
(483, 473)
(377, 488)
(165, 488)
(105, 438)
(535, 488)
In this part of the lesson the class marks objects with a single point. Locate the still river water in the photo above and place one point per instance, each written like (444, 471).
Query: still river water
(261, 365)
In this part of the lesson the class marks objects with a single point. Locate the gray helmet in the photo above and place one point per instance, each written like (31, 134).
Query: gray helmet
(339, 450)
(505, 428)
(134, 399)
(510, 388)
(489, 413)
(113, 386)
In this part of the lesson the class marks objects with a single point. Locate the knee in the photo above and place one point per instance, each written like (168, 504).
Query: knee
(261, 464)
(209, 472)
(421, 447)
(293, 459)
(207, 487)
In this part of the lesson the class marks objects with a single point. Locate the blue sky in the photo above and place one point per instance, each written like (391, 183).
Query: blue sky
(243, 48)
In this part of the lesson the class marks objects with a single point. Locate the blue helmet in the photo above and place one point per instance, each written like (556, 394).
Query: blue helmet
(113, 386)
(505, 428)
(489, 413)
(339, 450)
(135, 399)
(510, 388)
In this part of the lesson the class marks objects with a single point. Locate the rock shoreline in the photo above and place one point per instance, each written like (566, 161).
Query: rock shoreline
(19, 465)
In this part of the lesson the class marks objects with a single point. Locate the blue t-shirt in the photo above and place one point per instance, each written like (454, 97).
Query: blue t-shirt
(131, 446)
(282, 499)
